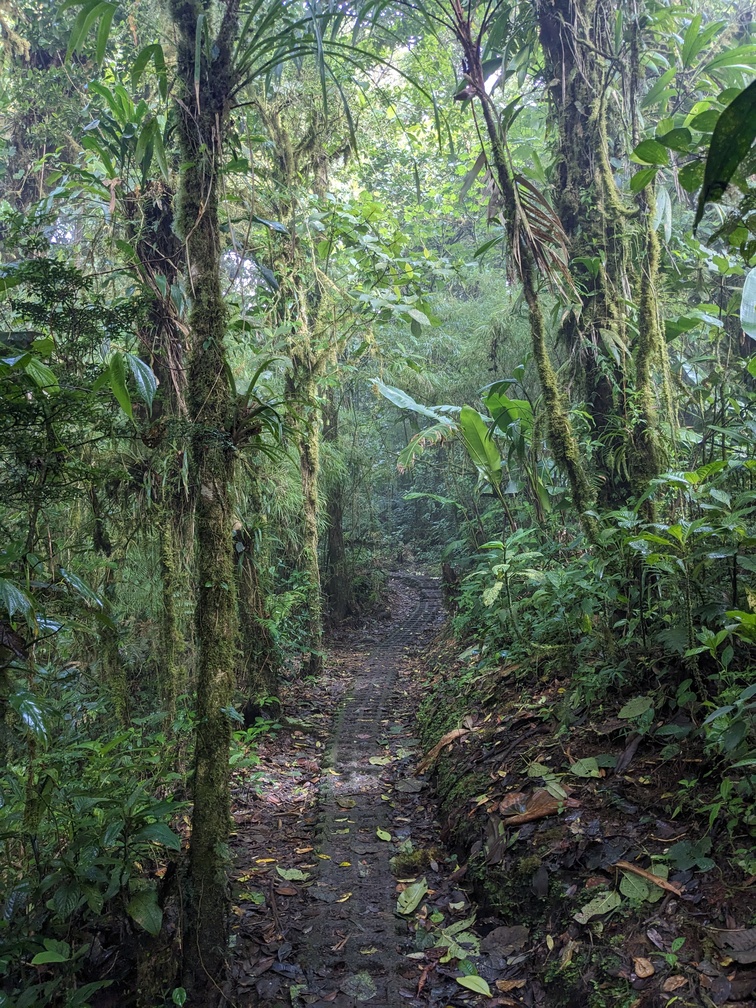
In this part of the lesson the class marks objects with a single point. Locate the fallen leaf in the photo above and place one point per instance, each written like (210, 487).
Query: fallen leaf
(304, 850)
(370, 950)
(344, 898)
(597, 906)
(379, 760)
(382, 834)
(361, 987)
(410, 786)
(475, 983)
(411, 896)
(265, 860)
(293, 874)
(643, 968)
(674, 983)
(513, 804)
(738, 943)
(508, 985)
(445, 740)
(541, 804)
(345, 864)
(654, 879)
(285, 891)
(345, 803)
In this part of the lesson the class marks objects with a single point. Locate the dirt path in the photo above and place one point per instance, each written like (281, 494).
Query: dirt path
(355, 813)
(333, 801)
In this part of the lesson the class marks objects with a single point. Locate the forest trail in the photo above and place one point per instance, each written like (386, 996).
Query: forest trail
(317, 921)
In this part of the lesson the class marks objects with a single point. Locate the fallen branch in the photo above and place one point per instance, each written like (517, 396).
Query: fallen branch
(653, 879)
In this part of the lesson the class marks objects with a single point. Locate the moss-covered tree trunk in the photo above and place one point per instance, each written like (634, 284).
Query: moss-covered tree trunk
(260, 657)
(613, 376)
(302, 388)
(561, 437)
(337, 584)
(205, 85)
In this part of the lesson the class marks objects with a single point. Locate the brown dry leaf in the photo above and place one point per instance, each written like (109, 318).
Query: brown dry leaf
(285, 891)
(674, 983)
(508, 985)
(513, 804)
(435, 752)
(737, 943)
(643, 968)
(653, 879)
(542, 804)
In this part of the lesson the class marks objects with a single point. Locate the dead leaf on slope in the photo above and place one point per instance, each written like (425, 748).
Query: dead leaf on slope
(444, 741)
(541, 804)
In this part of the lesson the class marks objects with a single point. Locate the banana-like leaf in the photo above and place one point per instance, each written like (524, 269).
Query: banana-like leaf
(480, 446)
(731, 141)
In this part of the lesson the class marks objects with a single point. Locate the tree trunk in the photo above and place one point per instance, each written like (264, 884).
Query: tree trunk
(202, 110)
(338, 587)
(260, 656)
(302, 384)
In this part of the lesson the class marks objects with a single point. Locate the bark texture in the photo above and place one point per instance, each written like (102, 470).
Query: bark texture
(205, 82)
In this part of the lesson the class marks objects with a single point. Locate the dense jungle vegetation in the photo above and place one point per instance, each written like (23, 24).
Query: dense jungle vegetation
(295, 294)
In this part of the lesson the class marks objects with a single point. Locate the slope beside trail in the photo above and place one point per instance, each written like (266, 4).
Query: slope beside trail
(334, 799)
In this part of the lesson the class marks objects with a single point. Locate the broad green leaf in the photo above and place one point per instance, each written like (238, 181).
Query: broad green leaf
(81, 588)
(144, 378)
(410, 898)
(41, 375)
(158, 832)
(642, 178)
(743, 57)
(14, 600)
(677, 139)
(690, 40)
(650, 152)
(492, 592)
(117, 376)
(103, 31)
(539, 770)
(732, 139)
(748, 307)
(29, 712)
(657, 91)
(597, 906)
(635, 707)
(382, 834)
(690, 176)
(49, 957)
(705, 122)
(634, 886)
(404, 401)
(586, 767)
(480, 446)
(475, 983)
(292, 874)
(144, 909)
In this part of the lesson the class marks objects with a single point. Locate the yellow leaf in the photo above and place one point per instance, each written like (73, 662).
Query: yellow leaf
(345, 864)
(324, 857)
(344, 898)
(265, 860)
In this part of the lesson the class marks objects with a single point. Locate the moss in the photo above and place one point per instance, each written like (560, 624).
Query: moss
(414, 862)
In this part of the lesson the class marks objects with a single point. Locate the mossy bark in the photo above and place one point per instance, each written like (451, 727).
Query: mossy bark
(561, 437)
(202, 107)
(260, 658)
(613, 375)
(338, 587)
(302, 386)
